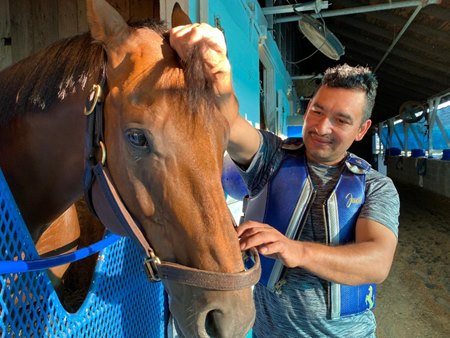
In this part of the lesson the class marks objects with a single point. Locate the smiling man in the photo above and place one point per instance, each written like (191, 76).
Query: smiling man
(344, 216)
(333, 121)
(324, 221)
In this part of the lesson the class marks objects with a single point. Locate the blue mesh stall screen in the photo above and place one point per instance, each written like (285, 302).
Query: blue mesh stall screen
(121, 302)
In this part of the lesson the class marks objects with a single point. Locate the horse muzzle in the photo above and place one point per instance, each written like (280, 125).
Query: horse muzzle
(211, 304)
(206, 313)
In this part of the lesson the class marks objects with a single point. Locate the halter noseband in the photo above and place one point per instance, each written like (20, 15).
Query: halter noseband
(105, 202)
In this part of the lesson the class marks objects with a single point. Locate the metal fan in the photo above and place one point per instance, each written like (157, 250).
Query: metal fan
(318, 34)
(412, 111)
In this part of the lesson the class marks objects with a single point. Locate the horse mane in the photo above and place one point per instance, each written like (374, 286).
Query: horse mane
(36, 82)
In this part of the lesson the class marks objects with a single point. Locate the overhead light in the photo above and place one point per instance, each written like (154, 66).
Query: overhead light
(318, 34)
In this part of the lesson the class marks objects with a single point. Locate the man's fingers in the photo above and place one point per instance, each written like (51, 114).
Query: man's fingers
(184, 38)
(179, 38)
(271, 249)
(249, 225)
(256, 237)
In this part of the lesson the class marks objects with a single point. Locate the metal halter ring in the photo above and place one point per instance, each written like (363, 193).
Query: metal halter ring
(103, 147)
(94, 96)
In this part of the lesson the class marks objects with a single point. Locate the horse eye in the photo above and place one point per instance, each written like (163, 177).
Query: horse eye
(138, 139)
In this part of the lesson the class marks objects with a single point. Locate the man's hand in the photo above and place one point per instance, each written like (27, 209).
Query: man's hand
(213, 51)
(368, 260)
(270, 242)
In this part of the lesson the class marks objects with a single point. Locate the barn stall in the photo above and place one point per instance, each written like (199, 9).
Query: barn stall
(414, 301)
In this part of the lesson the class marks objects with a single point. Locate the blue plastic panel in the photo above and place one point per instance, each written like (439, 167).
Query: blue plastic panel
(121, 301)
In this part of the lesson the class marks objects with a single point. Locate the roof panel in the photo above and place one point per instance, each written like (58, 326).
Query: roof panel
(416, 68)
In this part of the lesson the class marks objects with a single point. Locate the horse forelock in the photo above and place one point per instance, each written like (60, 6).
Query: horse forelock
(199, 86)
(38, 81)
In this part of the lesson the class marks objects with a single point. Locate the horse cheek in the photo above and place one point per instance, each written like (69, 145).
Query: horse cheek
(144, 200)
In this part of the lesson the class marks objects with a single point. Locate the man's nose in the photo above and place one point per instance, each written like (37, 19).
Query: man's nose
(323, 126)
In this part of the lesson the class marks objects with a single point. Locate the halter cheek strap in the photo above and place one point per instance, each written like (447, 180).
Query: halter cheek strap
(104, 201)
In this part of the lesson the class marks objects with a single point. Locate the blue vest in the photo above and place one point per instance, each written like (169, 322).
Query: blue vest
(284, 203)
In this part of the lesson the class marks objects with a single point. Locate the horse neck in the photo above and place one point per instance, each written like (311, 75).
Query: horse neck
(43, 159)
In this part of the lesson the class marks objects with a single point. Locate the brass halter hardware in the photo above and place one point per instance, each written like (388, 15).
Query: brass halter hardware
(94, 96)
(151, 267)
(103, 148)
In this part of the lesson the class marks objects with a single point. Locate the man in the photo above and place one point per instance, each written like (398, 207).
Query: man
(333, 254)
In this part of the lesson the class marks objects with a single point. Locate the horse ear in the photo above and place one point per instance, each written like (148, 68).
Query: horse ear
(104, 21)
(179, 17)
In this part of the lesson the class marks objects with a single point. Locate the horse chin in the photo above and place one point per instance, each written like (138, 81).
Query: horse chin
(208, 313)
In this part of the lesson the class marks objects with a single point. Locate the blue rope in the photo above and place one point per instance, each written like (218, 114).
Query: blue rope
(9, 266)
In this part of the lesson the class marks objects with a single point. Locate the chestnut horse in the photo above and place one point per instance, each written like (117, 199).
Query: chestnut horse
(164, 140)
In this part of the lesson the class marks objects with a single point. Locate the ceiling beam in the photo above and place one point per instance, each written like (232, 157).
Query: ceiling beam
(395, 22)
(402, 96)
(311, 6)
(360, 9)
(438, 12)
(408, 73)
(362, 27)
(399, 35)
(387, 81)
(441, 78)
(429, 62)
(399, 82)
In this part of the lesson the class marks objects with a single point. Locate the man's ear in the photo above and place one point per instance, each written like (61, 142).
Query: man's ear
(179, 17)
(363, 130)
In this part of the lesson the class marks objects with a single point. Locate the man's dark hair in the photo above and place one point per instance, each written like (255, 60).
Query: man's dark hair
(361, 78)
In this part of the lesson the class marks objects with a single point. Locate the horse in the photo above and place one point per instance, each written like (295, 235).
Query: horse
(159, 148)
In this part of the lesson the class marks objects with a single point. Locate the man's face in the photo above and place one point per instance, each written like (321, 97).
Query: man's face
(333, 121)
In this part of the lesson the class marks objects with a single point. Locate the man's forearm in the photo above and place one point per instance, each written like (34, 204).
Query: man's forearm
(244, 138)
(352, 264)
(244, 142)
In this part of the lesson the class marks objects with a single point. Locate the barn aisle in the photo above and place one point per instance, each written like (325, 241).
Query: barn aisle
(415, 299)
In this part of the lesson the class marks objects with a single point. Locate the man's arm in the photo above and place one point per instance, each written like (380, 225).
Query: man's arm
(368, 260)
(244, 139)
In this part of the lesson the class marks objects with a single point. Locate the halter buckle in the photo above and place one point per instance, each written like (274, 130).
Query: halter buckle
(150, 264)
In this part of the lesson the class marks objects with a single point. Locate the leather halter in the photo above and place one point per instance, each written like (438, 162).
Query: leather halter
(105, 202)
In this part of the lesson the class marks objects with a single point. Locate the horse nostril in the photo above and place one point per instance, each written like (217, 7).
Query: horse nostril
(211, 323)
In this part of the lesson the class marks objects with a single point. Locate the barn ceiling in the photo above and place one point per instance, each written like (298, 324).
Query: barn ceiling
(408, 47)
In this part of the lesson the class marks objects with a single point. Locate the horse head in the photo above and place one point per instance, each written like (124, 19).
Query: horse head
(165, 140)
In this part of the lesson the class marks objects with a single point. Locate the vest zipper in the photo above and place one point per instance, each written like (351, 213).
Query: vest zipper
(327, 241)
(312, 197)
(306, 214)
